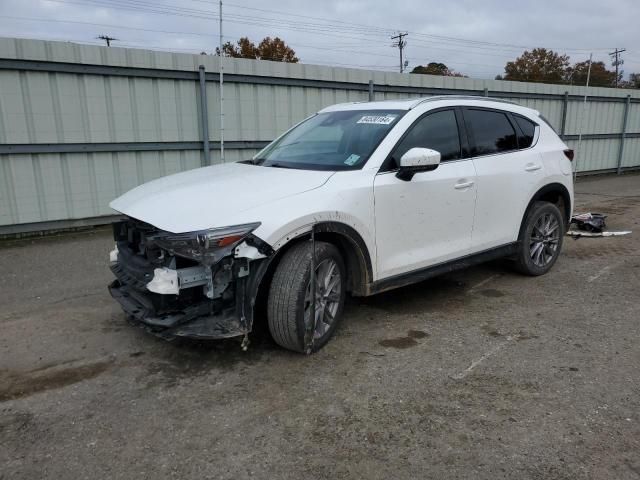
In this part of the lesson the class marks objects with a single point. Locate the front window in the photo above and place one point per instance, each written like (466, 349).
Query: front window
(438, 131)
(342, 140)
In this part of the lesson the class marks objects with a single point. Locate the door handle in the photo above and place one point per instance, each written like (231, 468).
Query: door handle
(532, 167)
(463, 185)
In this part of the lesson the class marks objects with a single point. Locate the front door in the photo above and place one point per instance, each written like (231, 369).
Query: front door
(429, 219)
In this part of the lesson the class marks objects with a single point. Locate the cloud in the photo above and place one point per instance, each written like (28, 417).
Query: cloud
(357, 32)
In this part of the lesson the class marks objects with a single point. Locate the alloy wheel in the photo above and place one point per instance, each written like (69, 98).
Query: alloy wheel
(545, 237)
(328, 291)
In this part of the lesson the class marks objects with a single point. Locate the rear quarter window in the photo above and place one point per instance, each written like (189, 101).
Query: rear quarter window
(543, 118)
(527, 131)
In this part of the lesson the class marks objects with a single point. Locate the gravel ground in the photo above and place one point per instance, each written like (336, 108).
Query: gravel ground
(478, 374)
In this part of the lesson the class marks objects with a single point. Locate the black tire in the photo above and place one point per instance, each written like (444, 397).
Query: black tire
(528, 260)
(289, 287)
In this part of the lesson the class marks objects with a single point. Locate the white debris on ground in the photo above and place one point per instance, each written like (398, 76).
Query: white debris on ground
(578, 233)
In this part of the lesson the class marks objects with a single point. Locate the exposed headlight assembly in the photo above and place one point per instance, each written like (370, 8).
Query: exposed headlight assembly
(205, 246)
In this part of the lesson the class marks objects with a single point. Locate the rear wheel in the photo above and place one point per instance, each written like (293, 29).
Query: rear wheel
(541, 239)
(289, 307)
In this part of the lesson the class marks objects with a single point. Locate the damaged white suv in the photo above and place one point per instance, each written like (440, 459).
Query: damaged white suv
(369, 196)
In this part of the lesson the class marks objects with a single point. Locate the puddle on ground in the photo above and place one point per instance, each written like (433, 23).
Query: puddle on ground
(400, 342)
(519, 337)
(491, 292)
(23, 384)
(185, 359)
(494, 333)
(417, 334)
(404, 342)
(14, 420)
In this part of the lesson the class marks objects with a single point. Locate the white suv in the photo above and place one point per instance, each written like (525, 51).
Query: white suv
(369, 196)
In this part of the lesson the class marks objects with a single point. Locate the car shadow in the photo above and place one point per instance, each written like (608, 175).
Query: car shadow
(187, 354)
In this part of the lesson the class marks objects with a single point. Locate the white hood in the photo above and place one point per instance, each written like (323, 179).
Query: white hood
(216, 196)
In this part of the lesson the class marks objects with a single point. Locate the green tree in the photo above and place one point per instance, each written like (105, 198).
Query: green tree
(538, 65)
(435, 68)
(274, 49)
(600, 76)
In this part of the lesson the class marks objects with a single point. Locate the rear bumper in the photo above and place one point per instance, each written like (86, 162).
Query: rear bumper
(200, 320)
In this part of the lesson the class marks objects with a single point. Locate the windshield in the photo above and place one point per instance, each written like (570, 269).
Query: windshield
(341, 140)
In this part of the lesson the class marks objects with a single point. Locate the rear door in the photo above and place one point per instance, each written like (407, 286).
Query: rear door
(428, 219)
(508, 172)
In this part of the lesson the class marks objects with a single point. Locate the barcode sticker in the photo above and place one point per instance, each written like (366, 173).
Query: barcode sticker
(377, 119)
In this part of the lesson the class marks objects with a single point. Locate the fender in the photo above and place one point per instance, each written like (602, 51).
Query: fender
(351, 244)
(549, 193)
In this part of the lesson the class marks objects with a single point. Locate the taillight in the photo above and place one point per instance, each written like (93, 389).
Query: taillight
(569, 154)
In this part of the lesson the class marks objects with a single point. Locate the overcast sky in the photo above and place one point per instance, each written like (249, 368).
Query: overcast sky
(475, 38)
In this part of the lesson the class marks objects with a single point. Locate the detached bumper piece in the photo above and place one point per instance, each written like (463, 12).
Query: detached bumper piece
(197, 321)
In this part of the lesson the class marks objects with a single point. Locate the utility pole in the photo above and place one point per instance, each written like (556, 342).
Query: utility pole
(617, 61)
(221, 92)
(582, 115)
(400, 44)
(107, 39)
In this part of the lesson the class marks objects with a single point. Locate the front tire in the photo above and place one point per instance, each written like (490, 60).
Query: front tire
(541, 239)
(289, 302)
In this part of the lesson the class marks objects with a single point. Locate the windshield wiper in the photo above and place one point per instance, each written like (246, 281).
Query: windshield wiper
(278, 165)
(253, 161)
(260, 161)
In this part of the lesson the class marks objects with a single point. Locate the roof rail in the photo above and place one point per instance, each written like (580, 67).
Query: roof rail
(461, 97)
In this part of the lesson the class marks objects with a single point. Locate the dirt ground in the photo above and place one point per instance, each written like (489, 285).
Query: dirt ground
(478, 374)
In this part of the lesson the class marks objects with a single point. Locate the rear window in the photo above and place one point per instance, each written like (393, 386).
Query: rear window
(528, 130)
(491, 132)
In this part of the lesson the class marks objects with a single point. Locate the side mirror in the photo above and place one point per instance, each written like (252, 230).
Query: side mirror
(417, 160)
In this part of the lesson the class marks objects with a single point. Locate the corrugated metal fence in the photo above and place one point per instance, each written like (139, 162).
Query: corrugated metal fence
(80, 124)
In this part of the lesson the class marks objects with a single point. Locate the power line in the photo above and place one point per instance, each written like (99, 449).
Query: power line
(296, 45)
(330, 29)
(209, 35)
(193, 51)
(110, 25)
(386, 30)
(169, 10)
(333, 30)
(239, 19)
(176, 32)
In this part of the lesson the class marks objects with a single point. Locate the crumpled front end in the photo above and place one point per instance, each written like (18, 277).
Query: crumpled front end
(199, 284)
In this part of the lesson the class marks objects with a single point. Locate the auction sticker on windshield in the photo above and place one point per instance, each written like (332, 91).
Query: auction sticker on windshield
(377, 119)
(352, 159)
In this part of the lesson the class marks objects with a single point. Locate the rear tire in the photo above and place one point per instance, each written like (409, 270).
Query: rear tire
(289, 302)
(541, 239)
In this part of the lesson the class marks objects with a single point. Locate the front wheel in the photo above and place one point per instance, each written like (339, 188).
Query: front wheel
(541, 239)
(289, 306)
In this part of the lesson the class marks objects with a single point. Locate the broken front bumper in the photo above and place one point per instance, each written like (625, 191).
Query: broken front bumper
(197, 321)
(174, 296)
